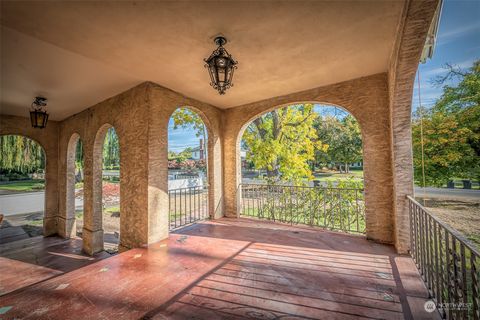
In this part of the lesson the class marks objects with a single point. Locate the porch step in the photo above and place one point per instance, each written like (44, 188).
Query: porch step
(12, 234)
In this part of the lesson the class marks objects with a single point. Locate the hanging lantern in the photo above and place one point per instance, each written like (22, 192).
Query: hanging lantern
(38, 115)
(220, 66)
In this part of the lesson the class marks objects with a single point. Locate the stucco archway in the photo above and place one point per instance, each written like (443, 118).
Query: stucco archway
(365, 99)
(47, 139)
(244, 206)
(93, 226)
(26, 154)
(213, 162)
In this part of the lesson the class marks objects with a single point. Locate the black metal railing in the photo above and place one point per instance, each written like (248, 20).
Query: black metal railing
(332, 208)
(448, 263)
(187, 205)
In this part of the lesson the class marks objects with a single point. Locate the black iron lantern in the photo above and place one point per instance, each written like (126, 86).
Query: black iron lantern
(220, 66)
(38, 115)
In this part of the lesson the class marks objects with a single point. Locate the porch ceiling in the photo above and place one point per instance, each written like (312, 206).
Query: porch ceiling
(78, 54)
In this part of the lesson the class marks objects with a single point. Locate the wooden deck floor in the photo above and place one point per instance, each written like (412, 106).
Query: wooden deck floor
(231, 269)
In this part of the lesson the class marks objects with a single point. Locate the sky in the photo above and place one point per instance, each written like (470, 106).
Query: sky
(179, 139)
(458, 43)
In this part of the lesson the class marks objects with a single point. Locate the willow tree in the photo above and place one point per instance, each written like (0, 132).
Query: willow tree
(282, 142)
(20, 154)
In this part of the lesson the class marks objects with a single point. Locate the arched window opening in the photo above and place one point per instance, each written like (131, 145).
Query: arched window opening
(111, 191)
(303, 163)
(187, 168)
(22, 188)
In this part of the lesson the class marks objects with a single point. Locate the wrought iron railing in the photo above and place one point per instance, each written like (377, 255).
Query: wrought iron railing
(331, 208)
(448, 263)
(187, 205)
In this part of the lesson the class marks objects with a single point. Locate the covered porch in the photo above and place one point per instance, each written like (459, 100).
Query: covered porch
(226, 266)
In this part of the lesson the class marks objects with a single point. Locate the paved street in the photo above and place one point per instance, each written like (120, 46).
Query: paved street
(17, 203)
(454, 194)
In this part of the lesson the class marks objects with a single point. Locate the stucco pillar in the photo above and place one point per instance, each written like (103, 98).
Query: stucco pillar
(231, 168)
(215, 176)
(50, 222)
(92, 233)
(158, 202)
(67, 227)
(158, 206)
(413, 29)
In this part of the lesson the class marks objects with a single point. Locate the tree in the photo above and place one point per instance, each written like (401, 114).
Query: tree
(451, 130)
(20, 154)
(445, 147)
(343, 138)
(186, 118)
(111, 150)
(180, 156)
(282, 142)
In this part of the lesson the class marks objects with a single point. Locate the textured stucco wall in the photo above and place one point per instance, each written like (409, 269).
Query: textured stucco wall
(412, 31)
(163, 102)
(128, 114)
(367, 100)
(47, 138)
(140, 117)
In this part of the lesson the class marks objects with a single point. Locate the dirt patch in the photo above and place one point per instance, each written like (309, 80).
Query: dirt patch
(110, 194)
(463, 216)
(111, 221)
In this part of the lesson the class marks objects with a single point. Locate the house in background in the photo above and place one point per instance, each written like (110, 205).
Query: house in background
(198, 153)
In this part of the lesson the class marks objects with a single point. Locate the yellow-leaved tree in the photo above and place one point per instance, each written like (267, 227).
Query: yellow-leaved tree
(282, 142)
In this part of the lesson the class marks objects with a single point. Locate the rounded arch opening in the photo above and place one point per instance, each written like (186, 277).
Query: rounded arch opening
(23, 178)
(189, 146)
(106, 187)
(296, 158)
(74, 187)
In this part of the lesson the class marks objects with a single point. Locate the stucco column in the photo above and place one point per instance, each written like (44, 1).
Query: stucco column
(158, 206)
(134, 186)
(50, 222)
(416, 20)
(92, 233)
(231, 172)
(215, 177)
(67, 227)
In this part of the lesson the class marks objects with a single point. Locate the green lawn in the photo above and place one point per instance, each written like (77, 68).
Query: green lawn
(112, 209)
(24, 186)
(320, 220)
(332, 177)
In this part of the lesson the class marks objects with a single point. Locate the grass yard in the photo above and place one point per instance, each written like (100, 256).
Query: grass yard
(334, 177)
(23, 186)
(463, 216)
